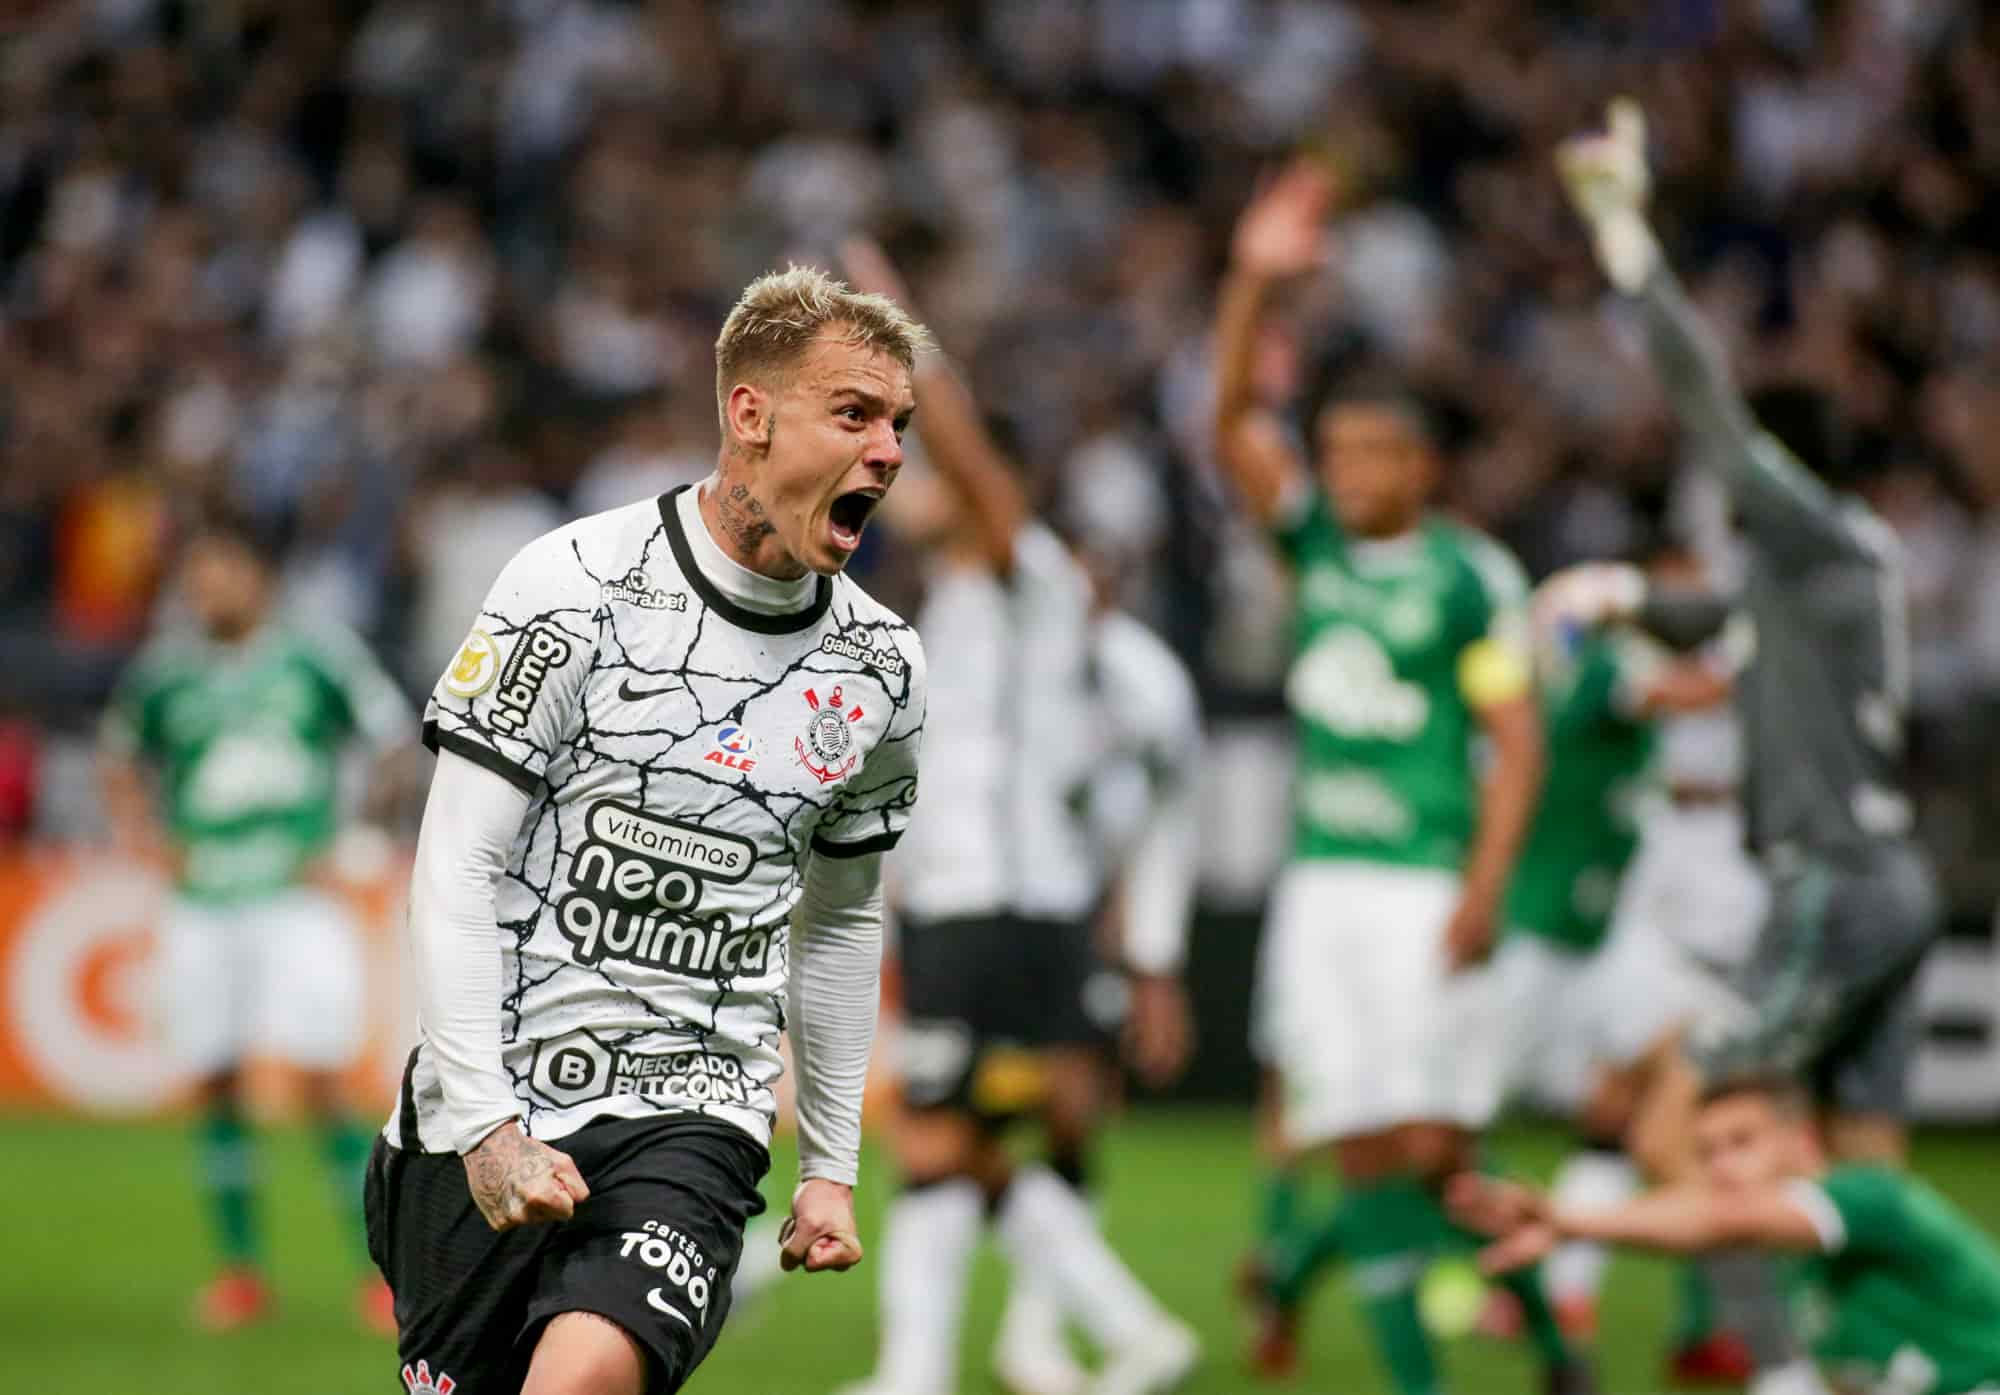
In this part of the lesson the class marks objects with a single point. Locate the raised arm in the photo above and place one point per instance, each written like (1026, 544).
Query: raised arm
(953, 433)
(1786, 509)
(1280, 235)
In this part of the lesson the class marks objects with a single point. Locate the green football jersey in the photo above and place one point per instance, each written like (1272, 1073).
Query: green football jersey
(1395, 643)
(1904, 1296)
(246, 740)
(1566, 881)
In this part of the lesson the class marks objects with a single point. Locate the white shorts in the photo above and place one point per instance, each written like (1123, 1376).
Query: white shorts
(280, 976)
(1692, 884)
(1564, 1017)
(1355, 1009)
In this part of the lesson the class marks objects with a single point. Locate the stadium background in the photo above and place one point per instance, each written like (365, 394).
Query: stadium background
(419, 279)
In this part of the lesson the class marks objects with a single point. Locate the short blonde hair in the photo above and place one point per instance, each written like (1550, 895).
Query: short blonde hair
(781, 313)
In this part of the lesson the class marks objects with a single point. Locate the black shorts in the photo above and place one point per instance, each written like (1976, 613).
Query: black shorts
(983, 995)
(1830, 990)
(653, 1249)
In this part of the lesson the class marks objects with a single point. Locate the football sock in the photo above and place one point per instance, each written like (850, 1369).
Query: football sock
(927, 1242)
(1694, 1322)
(1389, 1229)
(1042, 1222)
(227, 1159)
(1538, 1317)
(344, 1145)
(1589, 1177)
(1312, 1243)
(1748, 1301)
(1280, 1198)
(1033, 1319)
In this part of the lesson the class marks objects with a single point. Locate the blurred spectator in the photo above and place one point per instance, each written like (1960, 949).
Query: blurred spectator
(458, 266)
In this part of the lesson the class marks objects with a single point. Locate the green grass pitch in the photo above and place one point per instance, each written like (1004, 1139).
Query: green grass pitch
(104, 1245)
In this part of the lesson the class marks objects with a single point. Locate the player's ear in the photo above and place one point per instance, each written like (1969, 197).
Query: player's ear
(748, 413)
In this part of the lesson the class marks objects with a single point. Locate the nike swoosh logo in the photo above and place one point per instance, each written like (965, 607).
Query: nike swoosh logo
(653, 1300)
(628, 693)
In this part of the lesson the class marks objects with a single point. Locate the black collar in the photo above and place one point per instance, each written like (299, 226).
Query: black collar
(782, 624)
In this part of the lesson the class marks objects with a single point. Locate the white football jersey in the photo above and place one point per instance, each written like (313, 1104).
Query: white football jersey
(1018, 733)
(685, 757)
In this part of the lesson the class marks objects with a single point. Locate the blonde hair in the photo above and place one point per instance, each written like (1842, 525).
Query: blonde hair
(781, 313)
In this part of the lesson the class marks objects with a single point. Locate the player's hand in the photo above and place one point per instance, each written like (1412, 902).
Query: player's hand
(820, 1234)
(1159, 1032)
(1587, 596)
(517, 1180)
(1282, 233)
(1607, 181)
(1468, 936)
(868, 269)
(1604, 173)
(1530, 1244)
(1494, 1206)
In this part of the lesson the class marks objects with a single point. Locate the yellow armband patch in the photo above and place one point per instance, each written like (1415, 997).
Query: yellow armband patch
(1491, 671)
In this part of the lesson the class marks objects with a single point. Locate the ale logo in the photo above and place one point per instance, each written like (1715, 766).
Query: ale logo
(733, 746)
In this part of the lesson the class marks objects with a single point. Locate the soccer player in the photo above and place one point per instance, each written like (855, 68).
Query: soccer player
(997, 898)
(1823, 703)
(1590, 999)
(1373, 1005)
(671, 755)
(243, 723)
(1900, 1287)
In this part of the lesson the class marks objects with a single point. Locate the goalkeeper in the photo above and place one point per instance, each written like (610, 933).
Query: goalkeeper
(1830, 986)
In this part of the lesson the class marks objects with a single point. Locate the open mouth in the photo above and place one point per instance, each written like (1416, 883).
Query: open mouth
(849, 515)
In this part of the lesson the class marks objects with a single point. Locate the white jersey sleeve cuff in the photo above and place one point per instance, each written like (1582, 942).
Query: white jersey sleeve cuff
(1819, 1209)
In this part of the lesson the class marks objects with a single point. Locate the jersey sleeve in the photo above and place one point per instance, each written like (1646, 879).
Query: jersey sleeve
(1855, 1210)
(873, 808)
(1303, 524)
(122, 729)
(511, 698)
(1787, 511)
(1496, 663)
(376, 709)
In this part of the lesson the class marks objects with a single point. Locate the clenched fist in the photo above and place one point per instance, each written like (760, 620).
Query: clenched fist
(516, 1180)
(820, 1234)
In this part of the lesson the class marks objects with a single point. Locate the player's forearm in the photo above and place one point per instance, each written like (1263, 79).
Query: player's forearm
(1507, 797)
(836, 975)
(1692, 1220)
(1695, 373)
(966, 456)
(470, 822)
(1159, 883)
(1240, 311)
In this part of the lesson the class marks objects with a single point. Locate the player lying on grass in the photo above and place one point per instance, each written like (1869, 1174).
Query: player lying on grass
(1899, 1288)
(1375, 1010)
(1823, 702)
(672, 753)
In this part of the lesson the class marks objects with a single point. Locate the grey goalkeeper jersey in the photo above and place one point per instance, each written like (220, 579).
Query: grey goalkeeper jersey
(1825, 695)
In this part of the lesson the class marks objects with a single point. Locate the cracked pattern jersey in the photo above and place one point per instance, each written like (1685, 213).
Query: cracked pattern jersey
(684, 757)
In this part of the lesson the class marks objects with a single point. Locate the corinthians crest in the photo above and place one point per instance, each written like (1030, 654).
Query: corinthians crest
(827, 748)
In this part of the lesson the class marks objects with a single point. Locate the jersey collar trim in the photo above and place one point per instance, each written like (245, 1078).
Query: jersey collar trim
(670, 516)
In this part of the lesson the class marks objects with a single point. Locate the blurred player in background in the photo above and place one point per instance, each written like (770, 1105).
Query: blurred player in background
(242, 726)
(998, 897)
(1831, 984)
(1595, 997)
(674, 751)
(1900, 1287)
(1375, 1010)
(1688, 911)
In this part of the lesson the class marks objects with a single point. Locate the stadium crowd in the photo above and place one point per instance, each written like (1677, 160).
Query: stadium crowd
(417, 280)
